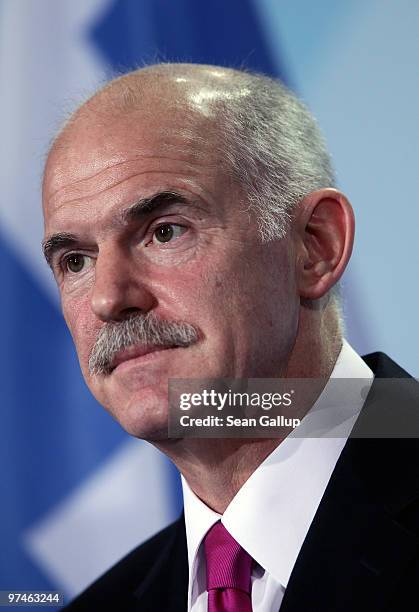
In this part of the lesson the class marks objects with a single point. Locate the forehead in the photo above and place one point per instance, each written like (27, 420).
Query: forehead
(104, 150)
(97, 141)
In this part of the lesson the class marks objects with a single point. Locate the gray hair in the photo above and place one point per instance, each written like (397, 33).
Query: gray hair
(146, 329)
(276, 152)
(274, 148)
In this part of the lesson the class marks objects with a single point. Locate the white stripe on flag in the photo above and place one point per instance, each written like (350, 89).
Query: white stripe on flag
(125, 502)
(46, 67)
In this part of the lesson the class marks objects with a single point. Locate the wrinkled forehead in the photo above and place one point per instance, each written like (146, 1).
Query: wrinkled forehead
(97, 141)
(155, 113)
(157, 101)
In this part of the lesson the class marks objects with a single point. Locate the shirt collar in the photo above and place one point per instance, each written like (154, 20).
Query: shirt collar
(199, 519)
(272, 512)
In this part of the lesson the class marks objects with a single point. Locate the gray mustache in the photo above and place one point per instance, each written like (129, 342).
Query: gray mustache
(138, 329)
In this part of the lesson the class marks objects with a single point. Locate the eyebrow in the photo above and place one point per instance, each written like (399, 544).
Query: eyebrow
(136, 212)
(147, 205)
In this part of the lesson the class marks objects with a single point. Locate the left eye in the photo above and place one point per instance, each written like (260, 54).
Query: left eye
(168, 232)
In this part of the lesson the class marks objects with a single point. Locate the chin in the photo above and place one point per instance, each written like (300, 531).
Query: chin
(144, 415)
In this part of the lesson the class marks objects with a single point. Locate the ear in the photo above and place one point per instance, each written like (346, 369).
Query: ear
(324, 228)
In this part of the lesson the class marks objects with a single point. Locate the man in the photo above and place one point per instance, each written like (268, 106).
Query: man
(194, 230)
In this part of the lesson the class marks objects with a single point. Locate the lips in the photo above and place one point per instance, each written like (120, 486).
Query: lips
(133, 352)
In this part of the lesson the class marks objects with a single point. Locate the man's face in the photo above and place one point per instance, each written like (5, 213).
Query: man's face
(193, 256)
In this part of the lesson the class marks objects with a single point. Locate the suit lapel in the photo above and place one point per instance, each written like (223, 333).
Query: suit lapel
(355, 549)
(360, 543)
(166, 585)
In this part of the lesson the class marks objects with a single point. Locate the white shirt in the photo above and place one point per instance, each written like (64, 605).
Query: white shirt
(272, 512)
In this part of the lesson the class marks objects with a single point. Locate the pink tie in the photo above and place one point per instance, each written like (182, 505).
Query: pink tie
(228, 572)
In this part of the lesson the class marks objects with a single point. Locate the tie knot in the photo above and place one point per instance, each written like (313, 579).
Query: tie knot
(228, 564)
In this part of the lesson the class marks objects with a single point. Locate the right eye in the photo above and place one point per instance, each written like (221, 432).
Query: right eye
(74, 263)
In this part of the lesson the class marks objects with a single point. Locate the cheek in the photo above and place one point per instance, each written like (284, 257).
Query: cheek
(279, 300)
(263, 298)
(79, 319)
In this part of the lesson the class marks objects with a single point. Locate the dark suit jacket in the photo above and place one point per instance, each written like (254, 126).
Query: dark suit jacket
(361, 552)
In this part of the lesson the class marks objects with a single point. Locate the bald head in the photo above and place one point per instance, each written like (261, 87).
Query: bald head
(191, 91)
(263, 136)
(164, 99)
(198, 86)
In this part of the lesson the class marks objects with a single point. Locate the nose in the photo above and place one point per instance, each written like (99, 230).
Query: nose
(118, 288)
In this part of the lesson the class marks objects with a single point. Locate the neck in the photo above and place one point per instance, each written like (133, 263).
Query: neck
(216, 469)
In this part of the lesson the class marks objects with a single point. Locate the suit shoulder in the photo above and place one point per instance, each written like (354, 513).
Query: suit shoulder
(116, 585)
(383, 366)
